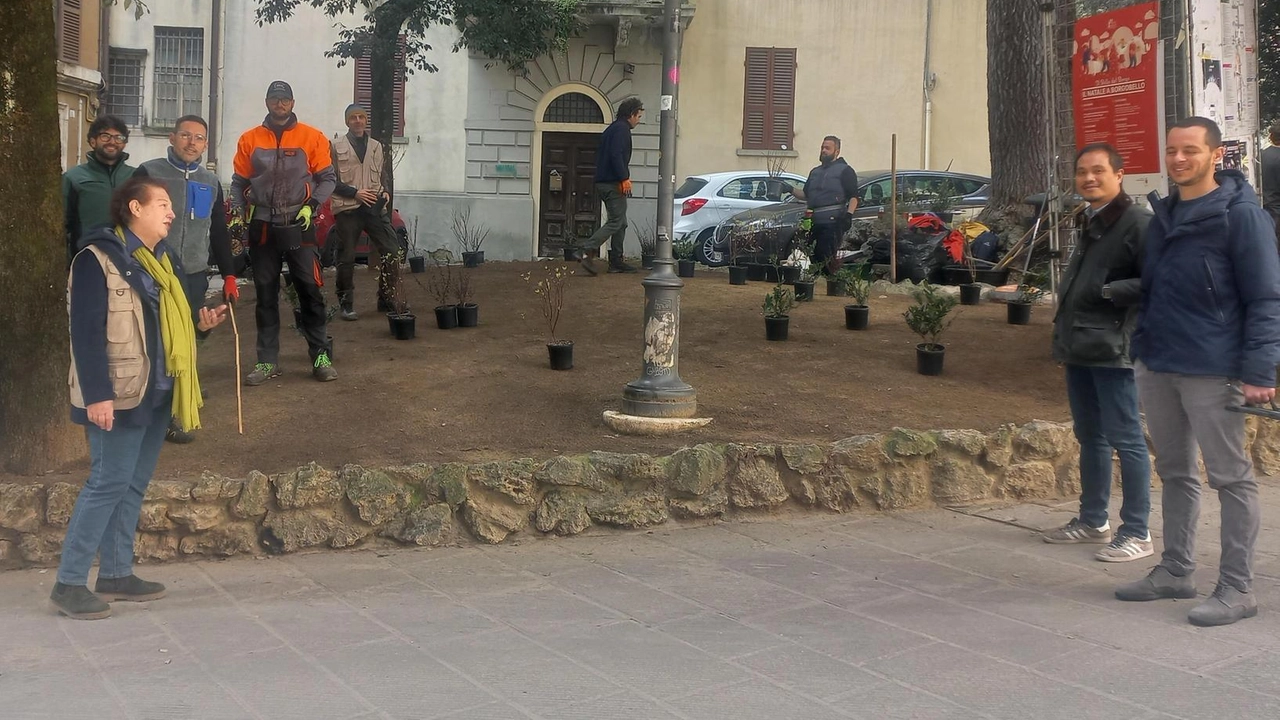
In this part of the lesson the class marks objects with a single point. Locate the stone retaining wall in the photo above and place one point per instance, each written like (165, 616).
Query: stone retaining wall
(432, 505)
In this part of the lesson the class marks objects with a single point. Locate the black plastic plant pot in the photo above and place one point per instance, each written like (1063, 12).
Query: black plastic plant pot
(1019, 313)
(647, 259)
(472, 259)
(685, 268)
(804, 290)
(970, 294)
(775, 328)
(790, 274)
(992, 277)
(468, 315)
(403, 325)
(561, 354)
(417, 264)
(835, 288)
(447, 317)
(929, 358)
(772, 273)
(857, 317)
(757, 272)
(738, 275)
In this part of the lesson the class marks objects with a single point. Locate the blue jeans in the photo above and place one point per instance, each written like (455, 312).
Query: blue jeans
(1104, 408)
(105, 518)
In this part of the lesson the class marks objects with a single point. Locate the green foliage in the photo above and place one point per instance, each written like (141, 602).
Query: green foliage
(1034, 285)
(683, 250)
(779, 302)
(856, 282)
(928, 317)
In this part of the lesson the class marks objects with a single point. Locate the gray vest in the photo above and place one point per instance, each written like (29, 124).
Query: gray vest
(825, 193)
(193, 194)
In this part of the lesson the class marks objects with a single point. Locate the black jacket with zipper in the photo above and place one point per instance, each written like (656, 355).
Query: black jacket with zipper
(1089, 329)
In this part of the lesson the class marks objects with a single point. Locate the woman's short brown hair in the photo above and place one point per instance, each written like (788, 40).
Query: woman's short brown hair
(135, 188)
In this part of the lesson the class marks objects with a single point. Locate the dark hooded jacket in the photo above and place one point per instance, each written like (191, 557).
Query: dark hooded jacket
(1211, 286)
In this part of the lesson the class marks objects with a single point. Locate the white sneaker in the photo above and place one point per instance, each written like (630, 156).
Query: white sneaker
(1125, 549)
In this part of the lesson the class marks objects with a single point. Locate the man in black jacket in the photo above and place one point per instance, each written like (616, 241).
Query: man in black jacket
(1091, 331)
(832, 194)
(613, 186)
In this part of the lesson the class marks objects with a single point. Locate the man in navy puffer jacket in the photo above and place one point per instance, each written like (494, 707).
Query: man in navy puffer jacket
(1208, 337)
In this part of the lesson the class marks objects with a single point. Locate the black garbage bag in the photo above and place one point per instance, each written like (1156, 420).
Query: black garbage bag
(921, 255)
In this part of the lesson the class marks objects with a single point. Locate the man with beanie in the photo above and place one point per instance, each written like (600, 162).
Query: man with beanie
(613, 186)
(87, 187)
(283, 172)
(199, 231)
(361, 205)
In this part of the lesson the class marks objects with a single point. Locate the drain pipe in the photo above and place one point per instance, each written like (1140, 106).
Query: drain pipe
(930, 80)
(215, 66)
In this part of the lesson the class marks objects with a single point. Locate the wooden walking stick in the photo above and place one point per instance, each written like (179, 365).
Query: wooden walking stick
(231, 308)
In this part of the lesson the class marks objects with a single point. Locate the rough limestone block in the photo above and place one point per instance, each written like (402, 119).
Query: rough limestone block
(154, 517)
(223, 541)
(1042, 440)
(255, 497)
(754, 480)
(60, 501)
(563, 511)
(426, 526)
(1035, 479)
(197, 518)
(696, 471)
(170, 490)
(957, 481)
(211, 487)
(570, 472)
(306, 487)
(903, 443)
(376, 497)
(21, 507)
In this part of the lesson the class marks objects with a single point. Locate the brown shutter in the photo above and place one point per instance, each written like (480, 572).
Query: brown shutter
(397, 89)
(364, 87)
(755, 99)
(769, 98)
(782, 98)
(69, 36)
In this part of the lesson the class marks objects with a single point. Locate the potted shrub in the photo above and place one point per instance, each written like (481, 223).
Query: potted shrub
(648, 237)
(928, 319)
(804, 286)
(401, 322)
(550, 290)
(739, 243)
(470, 236)
(777, 308)
(837, 282)
(1030, 290)
(683, 251)
(970, 292)
(468, 311)
(857, 285)
(440, 283)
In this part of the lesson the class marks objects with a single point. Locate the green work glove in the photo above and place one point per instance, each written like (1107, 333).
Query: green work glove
(304, 215)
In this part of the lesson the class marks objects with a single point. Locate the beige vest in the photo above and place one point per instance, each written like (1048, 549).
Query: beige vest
(127, 360)
(361, 176)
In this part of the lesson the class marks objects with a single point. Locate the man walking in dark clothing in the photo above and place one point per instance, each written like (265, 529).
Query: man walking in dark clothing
(832, 195)
(1271, 178)
(613, 186)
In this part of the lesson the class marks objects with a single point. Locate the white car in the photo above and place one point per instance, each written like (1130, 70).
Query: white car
(705, 201)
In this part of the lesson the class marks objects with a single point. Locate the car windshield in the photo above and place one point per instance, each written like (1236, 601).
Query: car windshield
(690, 187)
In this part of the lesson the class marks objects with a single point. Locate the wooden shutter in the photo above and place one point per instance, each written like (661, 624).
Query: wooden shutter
(364, 87)
(768, 100)
(69, 32)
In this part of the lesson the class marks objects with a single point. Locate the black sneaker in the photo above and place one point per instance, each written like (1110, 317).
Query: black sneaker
(128, 589)
(585, 260)
(175, 434)
(77, 603)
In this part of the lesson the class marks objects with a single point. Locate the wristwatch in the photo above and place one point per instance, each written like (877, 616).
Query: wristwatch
(1106, 291)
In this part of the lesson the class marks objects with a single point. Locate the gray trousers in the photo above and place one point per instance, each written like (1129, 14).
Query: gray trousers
(615, 228)
(1185, 412)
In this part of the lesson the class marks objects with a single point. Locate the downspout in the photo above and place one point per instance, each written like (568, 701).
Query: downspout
(104, 41)
(929, 81)
(215, 66)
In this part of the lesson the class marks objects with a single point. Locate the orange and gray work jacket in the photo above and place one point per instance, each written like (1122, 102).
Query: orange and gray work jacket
(280, 169)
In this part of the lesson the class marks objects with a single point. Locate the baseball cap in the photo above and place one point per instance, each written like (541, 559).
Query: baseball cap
(279, 89)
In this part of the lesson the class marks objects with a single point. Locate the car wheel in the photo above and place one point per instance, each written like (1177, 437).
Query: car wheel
(707, 253)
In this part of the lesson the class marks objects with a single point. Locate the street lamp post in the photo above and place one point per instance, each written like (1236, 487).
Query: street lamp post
(660, 393)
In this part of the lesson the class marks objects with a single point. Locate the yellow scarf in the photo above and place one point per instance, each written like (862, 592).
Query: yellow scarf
(178, 333)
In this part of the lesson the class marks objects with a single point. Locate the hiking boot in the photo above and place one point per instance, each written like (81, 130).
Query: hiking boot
(1077, 532)
(617, 265)
(1125, 548)
(128, 589)
(586, 262)
(1159, 584)
(262, 372)
(323, 368)
(175, 434)
(1225, 606)
(348, 314)
(77, 603)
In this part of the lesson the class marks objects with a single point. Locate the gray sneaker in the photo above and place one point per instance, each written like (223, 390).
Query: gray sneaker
(1225, 606)
(1159, 584)
(1077, 532)
(1126, 549)
(348, 314)
(322, 369)
(262, 372)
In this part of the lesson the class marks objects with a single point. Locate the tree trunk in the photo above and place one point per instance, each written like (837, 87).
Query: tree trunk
(35, 433)
(1017, 114)
(387, 27)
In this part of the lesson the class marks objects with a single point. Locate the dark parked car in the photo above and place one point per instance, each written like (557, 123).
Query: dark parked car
(769, 230)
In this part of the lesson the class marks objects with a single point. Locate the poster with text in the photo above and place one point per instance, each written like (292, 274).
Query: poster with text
(1116, 84)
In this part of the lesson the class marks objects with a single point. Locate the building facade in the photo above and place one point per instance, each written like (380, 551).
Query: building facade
(79, 28)
(760, 80)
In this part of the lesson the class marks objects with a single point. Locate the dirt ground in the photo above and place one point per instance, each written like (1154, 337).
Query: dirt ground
(488, 393)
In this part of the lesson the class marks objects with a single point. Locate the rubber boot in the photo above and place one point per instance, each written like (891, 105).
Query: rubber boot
(616, 265)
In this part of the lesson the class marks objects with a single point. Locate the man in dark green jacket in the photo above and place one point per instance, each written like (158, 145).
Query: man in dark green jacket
(1097, 310)
(87, 187)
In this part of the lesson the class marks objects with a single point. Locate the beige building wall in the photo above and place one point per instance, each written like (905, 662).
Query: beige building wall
(859, 75)
(78, 84)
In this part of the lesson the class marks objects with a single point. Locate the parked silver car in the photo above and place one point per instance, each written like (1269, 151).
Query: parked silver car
(704, 201)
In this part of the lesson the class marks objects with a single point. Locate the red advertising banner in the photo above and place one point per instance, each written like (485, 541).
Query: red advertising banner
(1115, 83)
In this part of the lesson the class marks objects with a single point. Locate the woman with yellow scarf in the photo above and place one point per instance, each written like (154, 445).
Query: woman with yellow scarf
(133, 367)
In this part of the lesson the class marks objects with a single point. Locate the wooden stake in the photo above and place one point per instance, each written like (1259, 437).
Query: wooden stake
(231, 308)
(893, 209)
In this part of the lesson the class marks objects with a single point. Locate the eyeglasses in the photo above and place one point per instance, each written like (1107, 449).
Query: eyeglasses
(189, 137)
(113, 137)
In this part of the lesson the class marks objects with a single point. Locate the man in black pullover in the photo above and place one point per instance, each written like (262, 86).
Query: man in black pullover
(613, 186)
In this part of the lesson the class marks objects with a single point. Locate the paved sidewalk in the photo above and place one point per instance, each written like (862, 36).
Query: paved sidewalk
(919, 615)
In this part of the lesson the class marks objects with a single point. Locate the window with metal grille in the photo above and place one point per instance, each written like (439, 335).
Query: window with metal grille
(124, 84)
(768, 103)
(69, 31)
(364, 88)
(574, 108)
(179, 69)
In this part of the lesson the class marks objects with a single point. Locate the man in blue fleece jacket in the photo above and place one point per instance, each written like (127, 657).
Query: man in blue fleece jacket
(1208, 337)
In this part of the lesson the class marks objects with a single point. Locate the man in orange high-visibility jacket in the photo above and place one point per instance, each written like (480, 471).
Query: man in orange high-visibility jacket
(283, 173)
